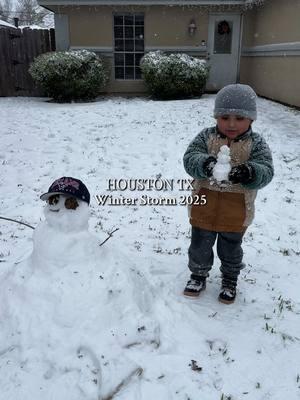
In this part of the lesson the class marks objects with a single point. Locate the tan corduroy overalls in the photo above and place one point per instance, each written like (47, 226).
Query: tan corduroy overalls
(229, 207)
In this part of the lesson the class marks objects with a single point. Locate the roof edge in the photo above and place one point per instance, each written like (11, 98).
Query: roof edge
(140, 2)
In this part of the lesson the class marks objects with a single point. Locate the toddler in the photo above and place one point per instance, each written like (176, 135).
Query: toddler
(229, 205)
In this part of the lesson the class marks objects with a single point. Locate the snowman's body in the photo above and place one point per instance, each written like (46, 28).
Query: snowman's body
(64, 250)
(223, 166)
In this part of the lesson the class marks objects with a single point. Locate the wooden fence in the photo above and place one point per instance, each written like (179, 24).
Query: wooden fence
(18, 48)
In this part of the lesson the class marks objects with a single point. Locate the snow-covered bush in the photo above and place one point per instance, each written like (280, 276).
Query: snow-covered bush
(174, 76)
(70, 75)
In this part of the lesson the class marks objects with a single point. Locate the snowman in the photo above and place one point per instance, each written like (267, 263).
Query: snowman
(63, 238)
(65, 251)
(73, 306)
(222, 166)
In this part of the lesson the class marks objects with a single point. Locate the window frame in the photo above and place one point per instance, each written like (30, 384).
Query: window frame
(123, 51)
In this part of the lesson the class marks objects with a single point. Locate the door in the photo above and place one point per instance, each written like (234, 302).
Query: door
(223, 50)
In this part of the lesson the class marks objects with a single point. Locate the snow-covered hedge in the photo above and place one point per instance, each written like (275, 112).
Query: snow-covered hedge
(70, 75)
(174, 76)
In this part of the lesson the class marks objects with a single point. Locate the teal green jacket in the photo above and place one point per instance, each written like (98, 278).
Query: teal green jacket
(260, 158)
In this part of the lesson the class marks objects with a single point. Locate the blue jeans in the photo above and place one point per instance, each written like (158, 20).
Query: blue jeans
(229, 249)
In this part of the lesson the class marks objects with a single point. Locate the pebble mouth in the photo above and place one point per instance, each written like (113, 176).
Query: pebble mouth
(54, 210)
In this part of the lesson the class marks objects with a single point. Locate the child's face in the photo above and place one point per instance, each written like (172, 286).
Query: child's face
(233, 125)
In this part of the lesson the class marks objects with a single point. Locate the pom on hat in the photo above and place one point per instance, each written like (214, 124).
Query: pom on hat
(236, 99)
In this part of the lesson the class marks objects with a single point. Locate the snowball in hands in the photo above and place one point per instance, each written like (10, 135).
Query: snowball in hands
(222, 167)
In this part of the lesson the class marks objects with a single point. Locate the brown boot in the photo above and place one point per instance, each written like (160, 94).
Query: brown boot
(228, 290)
(195, 285)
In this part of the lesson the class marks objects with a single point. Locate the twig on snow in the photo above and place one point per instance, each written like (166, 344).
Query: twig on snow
(136, 372)
(18, 222)
(109, 236)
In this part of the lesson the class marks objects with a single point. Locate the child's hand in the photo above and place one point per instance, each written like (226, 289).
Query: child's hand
(242, 173)
(208, 165)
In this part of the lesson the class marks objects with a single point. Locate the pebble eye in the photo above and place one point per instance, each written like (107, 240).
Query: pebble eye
(53, 200)
(71, 203)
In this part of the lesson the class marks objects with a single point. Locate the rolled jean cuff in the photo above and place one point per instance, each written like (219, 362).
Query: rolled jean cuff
(232, 271)
(197, 269)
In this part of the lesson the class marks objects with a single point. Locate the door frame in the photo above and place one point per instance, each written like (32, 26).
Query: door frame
(210, 39)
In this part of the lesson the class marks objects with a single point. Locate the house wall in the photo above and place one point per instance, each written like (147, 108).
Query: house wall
(167, 26)
(270, 60)
(163, 26)
(62, 31)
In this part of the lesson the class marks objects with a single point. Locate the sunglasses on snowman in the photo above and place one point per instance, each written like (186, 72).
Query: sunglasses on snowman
(71, 203)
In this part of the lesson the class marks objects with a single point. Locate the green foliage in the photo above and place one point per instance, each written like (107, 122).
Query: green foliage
(174, 76)
(70, 75)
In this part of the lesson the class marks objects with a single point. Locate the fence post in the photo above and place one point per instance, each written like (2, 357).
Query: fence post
(17, 51)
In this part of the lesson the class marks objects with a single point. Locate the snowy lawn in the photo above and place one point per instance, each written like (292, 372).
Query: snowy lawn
(249, 350)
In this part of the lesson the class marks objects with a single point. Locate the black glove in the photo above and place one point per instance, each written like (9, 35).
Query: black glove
(208, 165)
(242, 173)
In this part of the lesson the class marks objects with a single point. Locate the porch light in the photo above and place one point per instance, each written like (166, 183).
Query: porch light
(192, 27)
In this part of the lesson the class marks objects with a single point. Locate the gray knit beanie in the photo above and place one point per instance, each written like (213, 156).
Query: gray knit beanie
(236, 99)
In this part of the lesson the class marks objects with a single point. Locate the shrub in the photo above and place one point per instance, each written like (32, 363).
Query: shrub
(174, 76)
(70, 75)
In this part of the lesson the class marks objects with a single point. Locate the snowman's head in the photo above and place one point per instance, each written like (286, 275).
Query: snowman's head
(67, 207)
(66, 214)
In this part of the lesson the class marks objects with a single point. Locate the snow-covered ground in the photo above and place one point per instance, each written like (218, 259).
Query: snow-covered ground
(76, 333)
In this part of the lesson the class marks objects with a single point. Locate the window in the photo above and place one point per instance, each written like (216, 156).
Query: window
(128, 45)
(223, 37)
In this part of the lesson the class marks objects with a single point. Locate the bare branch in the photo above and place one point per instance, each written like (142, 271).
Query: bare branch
(109, 236)
(137, 372)
(18, 222)
(5, 10)
(30, 13)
